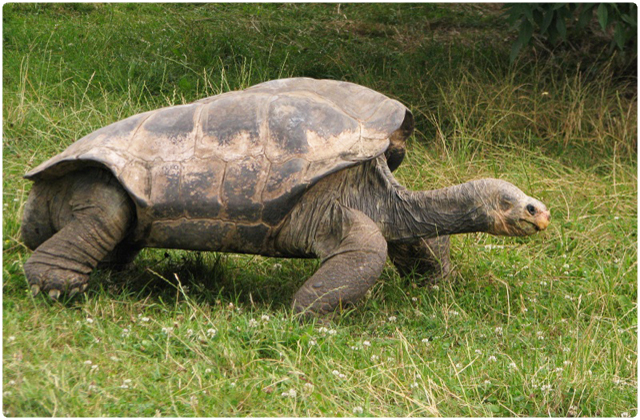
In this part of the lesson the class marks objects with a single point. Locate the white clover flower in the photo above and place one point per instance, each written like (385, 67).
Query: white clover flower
(493, 359)
(498, 330)
(512, 365)
(413, 385)
(567, 363)
(312, 342)
(323, 330)
(354, 348)
(124, 386)
(487, 382)
(392, 319)
(114, 358)
(373, 358)
(167, 330)
(366, 343)
(358, 410)
(540, 335)
(478, 351)
(558, 370)
(544, 283)
(458, 365)
(308, 387)
(290, 393)
(11, 338)
(265, 318)
(332, 332)
(418, 376)
(11, 382)
(189, 331)
(211, 332)
(425, 340)
(207, 370)
(232, 384)
(253, 323)
(545, 388)
(89, 321)
(88, 362)
(566, 266)
(414, 299)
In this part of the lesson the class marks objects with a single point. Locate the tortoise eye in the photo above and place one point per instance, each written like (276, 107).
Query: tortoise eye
(531, 209)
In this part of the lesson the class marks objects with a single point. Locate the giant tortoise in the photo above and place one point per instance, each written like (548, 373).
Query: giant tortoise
(288, 168)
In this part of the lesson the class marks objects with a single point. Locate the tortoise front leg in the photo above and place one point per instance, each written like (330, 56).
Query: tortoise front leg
(353, 253)
(99, 213)
(425, 257)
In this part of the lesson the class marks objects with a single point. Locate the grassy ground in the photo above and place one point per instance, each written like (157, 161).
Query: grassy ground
(540, 326)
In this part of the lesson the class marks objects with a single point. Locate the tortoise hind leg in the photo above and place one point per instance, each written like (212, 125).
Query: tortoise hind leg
(425, 257)
(353, 253)
(94, 220)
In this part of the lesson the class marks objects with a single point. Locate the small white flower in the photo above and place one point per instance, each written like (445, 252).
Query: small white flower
(144, 319)
(458, 365)
(567, 363)
(540, 335)
(312, 342)
(354, 348)
(125, 332)
(498, 330)
(323, 330)
(88, 362)
(11, 382)
(392, 319)
(414, 299)
(493, 359)
(589, 373)
(625, 414)
(366, 343)
(545, 388)
(232, 384)
(487, 382)
(94, 367)
(478, 351)
(253, 323)
(558, 370)
(114, 359)
(265, 318)
(435, 287)
(425, 340)
(566, 266)
(413, 385)
(290, 394)
(418, 376)
(512, 365)
(308, 387)
(89, 321)
(189, 331)
(124, 386)
(167, 330)
(12, 338)
(358, 410)
(332, 332)
(277, 266)
(211, 332)
(374, 358)
(207, 370)
(231, 305)
(543, 283)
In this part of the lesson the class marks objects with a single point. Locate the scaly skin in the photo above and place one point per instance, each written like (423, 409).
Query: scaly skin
(73, 224)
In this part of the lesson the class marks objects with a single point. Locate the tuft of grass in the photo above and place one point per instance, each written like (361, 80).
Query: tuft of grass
(539, 326)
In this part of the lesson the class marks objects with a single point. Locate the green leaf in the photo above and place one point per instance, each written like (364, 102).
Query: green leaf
(562, 28)
(603, 16)
(526, 32)
(548, 18)
(619, 36)
(515, 50)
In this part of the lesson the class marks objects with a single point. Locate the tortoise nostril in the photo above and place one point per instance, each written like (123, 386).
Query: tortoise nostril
(531, 209)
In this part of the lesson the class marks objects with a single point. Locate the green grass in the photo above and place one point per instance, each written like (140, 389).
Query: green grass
(540, 326)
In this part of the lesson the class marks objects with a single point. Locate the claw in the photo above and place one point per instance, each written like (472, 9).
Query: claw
(54, 294)
(35, 289)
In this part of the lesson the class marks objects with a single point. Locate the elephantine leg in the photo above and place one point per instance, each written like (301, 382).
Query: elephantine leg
(353, 253)
(425, 257)
(88, 220)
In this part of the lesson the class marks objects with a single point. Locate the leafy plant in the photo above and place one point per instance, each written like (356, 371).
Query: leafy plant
(555, 21)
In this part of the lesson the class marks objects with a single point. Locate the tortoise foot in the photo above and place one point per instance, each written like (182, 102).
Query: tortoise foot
(54, 281)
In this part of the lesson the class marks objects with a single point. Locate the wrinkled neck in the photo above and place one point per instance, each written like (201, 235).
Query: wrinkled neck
(447, 211)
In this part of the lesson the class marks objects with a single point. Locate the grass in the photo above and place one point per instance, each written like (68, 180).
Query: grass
(541, 326)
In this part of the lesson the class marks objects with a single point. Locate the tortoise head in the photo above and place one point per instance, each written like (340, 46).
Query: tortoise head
(514, 213)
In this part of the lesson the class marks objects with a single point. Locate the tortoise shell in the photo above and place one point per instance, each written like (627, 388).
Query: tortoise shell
(236, 161)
